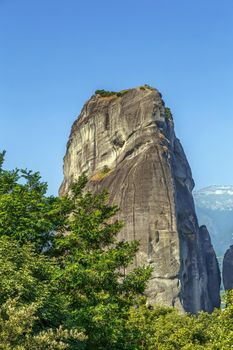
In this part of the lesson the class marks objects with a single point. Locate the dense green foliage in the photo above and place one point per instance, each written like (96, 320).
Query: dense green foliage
(105, 93)
(76, 277)
(92, 270)
(16, 330)
(65, 281)
(165, 329)
(26, 213)
(168, 113)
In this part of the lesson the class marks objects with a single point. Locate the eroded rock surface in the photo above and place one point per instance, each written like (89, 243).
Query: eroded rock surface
(127, 144)
(228, 269)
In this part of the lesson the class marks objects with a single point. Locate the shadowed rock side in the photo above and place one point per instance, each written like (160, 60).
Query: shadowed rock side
(210, 262)
(127, 144)
(227, 272)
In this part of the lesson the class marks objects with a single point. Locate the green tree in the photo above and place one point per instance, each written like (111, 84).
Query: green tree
(29, 277)
(161, 328)
(164, 328)
(67, 282)
(16, 330)
(93, 270)
(62, 254)
(26, 213)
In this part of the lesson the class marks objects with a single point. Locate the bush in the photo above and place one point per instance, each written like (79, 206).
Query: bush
(101, 174)
(104, 93)
(168, 113)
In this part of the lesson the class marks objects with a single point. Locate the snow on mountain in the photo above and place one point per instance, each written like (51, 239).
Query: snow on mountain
(214, 207)
(215, 197)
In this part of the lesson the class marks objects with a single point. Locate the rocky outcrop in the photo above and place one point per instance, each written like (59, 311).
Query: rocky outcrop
(227, 272)
(126, 143)
(210, 263)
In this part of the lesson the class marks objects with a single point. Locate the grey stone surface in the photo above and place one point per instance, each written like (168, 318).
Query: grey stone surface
(210, 263)
(228, 269)
(149, 178)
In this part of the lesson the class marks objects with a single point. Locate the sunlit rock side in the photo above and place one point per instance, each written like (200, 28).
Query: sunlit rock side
(127, 144)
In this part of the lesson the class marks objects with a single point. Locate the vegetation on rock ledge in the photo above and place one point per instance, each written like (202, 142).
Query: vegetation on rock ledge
(101, 174)
(168, 113)
(104, 93)
(146, 86)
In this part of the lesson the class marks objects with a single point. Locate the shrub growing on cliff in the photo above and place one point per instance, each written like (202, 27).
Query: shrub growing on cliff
(168, 113)
(105, 93)
(101, 174)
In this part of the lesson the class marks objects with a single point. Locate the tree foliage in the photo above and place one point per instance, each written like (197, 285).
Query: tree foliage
(26, 213)
(66, 281)
(164, 328)
(16, 330)
(63, 254)
(93, 265)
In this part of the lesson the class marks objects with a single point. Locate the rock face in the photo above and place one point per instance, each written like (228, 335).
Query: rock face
(228, 269)
(211, 265)
(127, 144)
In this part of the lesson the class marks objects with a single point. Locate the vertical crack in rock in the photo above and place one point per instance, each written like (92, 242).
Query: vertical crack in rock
(166, 186)
(149, 178)
(133, 208)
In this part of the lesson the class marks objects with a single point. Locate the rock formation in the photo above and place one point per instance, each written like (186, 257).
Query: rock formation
(227, 272)
(126, 143)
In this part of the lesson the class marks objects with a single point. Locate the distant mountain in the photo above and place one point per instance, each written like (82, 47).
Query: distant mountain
(214, 207)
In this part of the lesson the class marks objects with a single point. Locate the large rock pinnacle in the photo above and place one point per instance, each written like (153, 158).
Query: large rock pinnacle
(126, 143)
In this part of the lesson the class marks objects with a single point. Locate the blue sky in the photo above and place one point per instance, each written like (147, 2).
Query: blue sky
(55, 53)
